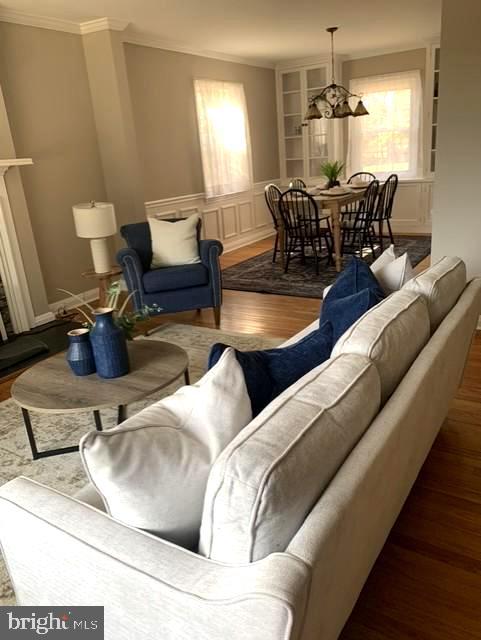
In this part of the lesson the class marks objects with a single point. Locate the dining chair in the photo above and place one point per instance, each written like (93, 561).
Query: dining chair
(272, 193)
(297, 183)
(357, 233)
(383, 210)
(304, 226)
(361, 176)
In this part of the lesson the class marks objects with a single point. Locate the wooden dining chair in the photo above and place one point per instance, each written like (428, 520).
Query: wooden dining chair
(304, 226)
(383, 210)
(272, 194)
(357, 233)
(297, 183)
(361, 176)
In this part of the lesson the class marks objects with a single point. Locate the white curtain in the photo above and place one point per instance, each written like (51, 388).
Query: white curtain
(388, 140)
(224, 137)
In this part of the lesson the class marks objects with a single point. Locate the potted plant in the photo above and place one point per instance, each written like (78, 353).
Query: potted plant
(332, 171)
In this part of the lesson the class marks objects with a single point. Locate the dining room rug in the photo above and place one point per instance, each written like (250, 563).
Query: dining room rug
(65, 472)
(261, 275)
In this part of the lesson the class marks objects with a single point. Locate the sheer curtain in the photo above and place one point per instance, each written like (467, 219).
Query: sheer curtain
(224, 137)
(388, 140)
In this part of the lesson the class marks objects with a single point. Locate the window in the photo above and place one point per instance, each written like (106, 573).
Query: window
(224, 137)
(388, 140)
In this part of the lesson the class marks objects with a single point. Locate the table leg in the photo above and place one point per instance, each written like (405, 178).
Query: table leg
(122, 413)
(98, 420)
(186, 376)
(336, 232)
(36, 454)
(30, 435)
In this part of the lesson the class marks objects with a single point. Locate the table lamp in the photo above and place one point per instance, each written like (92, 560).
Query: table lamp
(96, 221)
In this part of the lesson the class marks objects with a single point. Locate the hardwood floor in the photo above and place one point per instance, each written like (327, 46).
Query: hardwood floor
(426, 583)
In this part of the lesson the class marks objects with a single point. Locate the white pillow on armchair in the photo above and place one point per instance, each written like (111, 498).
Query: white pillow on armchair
(174, 243)
(152, 470)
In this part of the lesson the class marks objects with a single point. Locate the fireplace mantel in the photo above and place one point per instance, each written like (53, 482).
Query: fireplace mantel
(14, 162)
(11, 265)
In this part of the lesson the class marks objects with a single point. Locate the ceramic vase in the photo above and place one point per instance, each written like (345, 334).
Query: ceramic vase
(79, 354)
(109, 345)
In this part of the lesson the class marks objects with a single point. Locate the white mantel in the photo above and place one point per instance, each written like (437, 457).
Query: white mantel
(11, 265)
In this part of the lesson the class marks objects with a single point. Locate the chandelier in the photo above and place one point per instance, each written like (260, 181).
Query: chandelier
(333, 101)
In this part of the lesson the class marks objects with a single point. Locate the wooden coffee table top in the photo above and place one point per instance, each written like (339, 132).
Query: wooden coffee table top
(51, 387)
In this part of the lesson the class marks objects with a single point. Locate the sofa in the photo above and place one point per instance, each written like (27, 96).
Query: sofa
(287, 540)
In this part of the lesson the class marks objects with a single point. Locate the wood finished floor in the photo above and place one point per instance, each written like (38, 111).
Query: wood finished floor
(426, 583)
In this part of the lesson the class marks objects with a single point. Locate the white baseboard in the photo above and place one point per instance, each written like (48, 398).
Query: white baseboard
(43, 318)
(71, 303)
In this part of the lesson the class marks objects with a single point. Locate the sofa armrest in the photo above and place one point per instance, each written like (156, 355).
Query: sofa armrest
(133, 271)
(210, 250)
(60, 551)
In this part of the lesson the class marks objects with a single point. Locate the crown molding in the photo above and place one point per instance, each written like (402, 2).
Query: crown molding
(43, 22)
(102, 24)
(148, 40)
(372, 53)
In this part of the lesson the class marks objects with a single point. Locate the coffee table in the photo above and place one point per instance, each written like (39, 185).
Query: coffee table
(51, 387)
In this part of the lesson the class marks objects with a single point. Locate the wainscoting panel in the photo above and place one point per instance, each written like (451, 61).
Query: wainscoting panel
(246, 217)
(412, 207)
(236, 220)
(229, 221)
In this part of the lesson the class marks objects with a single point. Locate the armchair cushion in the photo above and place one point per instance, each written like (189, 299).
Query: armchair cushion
(174, 243)
(173, 278)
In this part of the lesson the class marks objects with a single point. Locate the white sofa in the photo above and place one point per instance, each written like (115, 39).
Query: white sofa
(62, 551)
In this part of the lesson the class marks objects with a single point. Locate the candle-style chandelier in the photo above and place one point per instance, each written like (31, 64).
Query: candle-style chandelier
(333, 101)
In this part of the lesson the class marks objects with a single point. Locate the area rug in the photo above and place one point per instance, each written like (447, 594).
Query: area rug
(65, 473)
(261, 275)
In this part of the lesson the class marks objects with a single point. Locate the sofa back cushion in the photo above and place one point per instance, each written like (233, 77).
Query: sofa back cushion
(391, 334)
(440, 285)
(152, 470)
(266, 481)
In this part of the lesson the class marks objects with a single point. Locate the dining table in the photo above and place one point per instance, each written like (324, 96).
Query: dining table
(334, 205)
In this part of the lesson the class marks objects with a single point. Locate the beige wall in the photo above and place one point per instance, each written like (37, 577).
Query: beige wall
(161, 84)
(387, 63)
(380, 65)
(457, 206)
(44, 80)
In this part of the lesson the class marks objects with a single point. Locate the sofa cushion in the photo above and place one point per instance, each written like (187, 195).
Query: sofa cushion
(391, 272)
(174, 278)
(266, 481)
(174, 243)
(391, 334)
(355, 291)
(267, 373)
(152, 470)
(440, 285)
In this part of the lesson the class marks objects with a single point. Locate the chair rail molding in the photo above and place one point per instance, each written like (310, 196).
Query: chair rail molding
(236, 219)
(11, 265)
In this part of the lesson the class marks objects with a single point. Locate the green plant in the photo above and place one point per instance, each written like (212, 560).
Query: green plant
(123, 318)
(332, 170)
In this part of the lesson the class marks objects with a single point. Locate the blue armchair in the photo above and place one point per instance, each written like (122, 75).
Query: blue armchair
(182, 288)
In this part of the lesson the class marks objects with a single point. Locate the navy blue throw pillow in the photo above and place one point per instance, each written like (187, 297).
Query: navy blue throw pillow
(355, 291)
(268, 373)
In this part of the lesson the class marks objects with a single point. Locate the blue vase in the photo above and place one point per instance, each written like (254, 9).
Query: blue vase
(79, 355)
(109, 345)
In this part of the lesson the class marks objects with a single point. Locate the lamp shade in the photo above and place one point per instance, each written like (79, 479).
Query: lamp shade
(94, 219)
(360, 110)
(313, 112)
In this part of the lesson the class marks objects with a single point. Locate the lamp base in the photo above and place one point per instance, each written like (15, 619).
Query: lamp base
(100, 255)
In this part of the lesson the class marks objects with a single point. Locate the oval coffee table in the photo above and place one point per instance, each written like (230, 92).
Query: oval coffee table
(51, 387)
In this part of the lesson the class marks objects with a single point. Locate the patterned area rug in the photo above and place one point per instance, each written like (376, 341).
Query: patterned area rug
(65, 473)
(261, 275)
